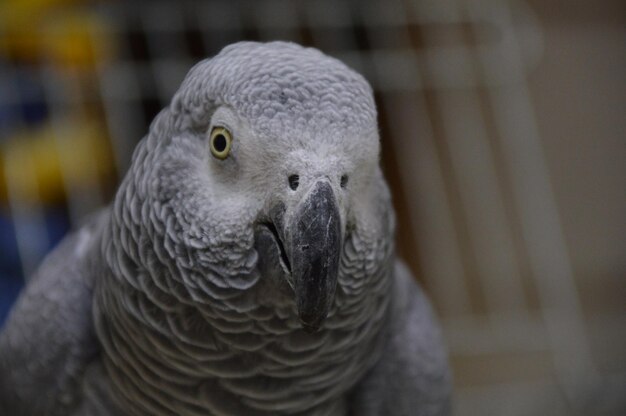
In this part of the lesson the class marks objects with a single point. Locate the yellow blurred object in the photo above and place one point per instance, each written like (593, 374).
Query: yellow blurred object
(17, 13)
(77, 40)
(35, 29)
(39, 164)
(21, 21)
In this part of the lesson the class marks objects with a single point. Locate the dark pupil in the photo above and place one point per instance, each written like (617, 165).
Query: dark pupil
(219, 143)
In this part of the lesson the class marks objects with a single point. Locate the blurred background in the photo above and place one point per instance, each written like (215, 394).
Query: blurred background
(504, 142)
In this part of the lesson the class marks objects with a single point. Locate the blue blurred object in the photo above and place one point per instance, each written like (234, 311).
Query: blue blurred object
(32, 105)
(9, 255)
(10, 287)
(11, 276)
(23, 101)
(10, 270)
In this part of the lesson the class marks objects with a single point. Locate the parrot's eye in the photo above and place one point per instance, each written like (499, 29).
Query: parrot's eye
(220, 142)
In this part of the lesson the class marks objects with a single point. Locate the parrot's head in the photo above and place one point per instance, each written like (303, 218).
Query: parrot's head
(263, 165)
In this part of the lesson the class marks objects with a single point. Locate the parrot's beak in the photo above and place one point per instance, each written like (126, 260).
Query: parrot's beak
(306, 240)
(315, 245)
(313, 237)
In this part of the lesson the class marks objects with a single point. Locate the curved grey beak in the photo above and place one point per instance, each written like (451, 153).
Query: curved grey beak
(314, 245)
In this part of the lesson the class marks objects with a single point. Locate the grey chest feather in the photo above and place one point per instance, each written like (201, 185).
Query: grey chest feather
(243, 358)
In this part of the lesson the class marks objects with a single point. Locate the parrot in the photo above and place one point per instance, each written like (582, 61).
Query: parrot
(246, 264)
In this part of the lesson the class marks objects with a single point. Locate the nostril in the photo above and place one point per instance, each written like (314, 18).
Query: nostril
(294, 181)
(344, 181)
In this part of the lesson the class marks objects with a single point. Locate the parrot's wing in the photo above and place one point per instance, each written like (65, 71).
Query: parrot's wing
(412, 377)
(49, 338)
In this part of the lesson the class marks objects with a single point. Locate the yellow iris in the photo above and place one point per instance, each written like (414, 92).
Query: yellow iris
(221, 142)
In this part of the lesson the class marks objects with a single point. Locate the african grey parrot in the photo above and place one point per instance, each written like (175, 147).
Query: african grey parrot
(245, 267)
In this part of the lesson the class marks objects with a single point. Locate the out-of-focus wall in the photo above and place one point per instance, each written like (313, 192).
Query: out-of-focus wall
(579, 93)
(503, 128)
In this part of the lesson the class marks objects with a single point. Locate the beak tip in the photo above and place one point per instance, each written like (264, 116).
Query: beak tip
(312, 322)
(311, 328)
